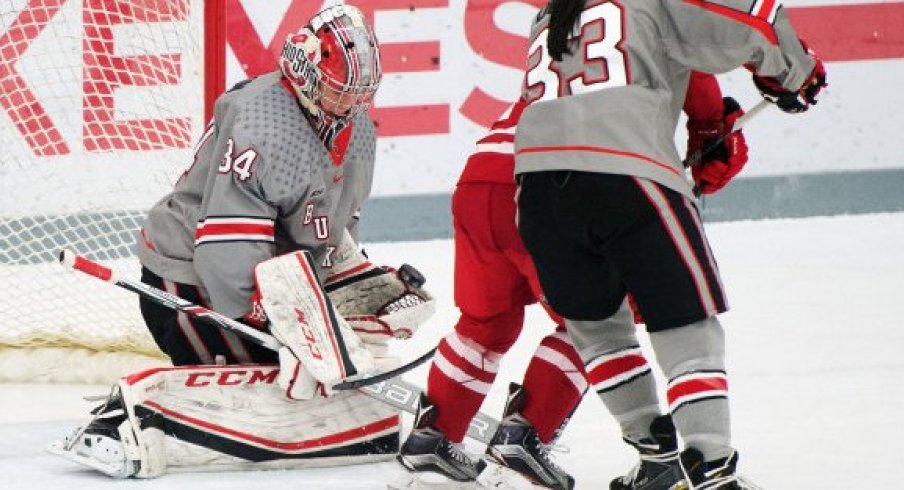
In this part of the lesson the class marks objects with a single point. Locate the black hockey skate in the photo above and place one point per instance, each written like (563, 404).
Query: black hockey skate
(516, 446)
(432, 460)
(658, 468)
(98, 444)
(711, 475)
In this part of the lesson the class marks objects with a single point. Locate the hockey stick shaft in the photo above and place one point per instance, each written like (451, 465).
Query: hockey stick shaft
(744, 119)
(73, 261)
(394, 391)
(370, 380)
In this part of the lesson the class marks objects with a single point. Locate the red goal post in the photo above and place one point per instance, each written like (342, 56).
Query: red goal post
(101, 102)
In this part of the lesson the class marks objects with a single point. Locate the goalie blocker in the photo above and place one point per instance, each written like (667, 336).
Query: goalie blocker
(319, 348)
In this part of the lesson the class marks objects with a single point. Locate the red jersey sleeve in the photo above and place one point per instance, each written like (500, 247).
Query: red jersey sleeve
(703, 101)
(494, 158)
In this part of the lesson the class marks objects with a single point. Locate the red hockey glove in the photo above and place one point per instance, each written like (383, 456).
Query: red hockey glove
(718, 163)
(794, 102)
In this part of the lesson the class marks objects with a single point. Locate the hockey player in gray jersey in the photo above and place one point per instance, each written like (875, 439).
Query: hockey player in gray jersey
(605, 208)
(280, 172)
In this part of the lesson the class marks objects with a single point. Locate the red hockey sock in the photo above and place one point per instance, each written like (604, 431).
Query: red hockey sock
(460, 377)
(554, 384)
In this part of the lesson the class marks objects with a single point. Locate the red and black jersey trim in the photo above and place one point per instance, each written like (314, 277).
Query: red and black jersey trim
(228, 229)
(599, 150)
(183, 431)
(760, 17)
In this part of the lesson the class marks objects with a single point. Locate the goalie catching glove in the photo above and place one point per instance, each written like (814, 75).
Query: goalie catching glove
(380, 303)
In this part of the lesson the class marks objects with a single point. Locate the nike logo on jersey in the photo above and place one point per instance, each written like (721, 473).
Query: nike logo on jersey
(338, 178)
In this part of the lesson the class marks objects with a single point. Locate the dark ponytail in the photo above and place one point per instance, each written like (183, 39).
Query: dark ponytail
(563, 15)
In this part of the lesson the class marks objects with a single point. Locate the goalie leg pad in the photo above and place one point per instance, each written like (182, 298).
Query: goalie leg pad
(214, 418)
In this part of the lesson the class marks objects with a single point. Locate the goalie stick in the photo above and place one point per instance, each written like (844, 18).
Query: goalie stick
(393, 391)
(370, 380)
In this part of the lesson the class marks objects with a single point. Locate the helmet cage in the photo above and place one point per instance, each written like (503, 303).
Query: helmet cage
(333, 64)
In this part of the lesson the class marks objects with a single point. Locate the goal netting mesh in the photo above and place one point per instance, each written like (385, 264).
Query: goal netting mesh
(100, 103)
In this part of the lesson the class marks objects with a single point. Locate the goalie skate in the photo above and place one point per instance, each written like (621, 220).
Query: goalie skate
(517, 447)
(432, 460)
(98, 444)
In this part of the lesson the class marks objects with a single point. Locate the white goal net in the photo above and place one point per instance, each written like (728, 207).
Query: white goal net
(100, 104)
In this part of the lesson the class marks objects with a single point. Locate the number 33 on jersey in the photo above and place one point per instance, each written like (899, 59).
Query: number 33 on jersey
(598, 61)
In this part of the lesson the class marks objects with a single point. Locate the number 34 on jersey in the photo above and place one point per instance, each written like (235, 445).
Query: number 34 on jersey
(240, 164)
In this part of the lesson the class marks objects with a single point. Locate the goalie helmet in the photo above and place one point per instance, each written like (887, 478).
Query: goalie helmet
(333, 63)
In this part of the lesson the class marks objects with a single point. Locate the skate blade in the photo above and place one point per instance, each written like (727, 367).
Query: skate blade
(498, 477)
(117, 470)
(430, 481)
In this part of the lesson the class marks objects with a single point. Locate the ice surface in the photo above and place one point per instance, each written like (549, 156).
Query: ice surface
(815, 343)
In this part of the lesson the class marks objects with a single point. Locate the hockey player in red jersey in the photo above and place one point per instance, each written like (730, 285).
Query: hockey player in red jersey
(281, 171)
(495, 280)
(605, 208)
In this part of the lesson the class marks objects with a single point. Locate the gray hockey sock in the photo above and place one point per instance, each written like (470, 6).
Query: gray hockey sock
(618, 371)
(692, 358)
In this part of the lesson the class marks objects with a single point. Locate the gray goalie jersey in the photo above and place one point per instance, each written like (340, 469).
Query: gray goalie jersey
(613, 104)
(262, 183)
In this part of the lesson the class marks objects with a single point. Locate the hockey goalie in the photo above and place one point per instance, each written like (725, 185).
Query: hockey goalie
(260, 228)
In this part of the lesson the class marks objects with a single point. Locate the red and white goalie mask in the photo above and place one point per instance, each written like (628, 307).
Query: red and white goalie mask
(333, 63)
